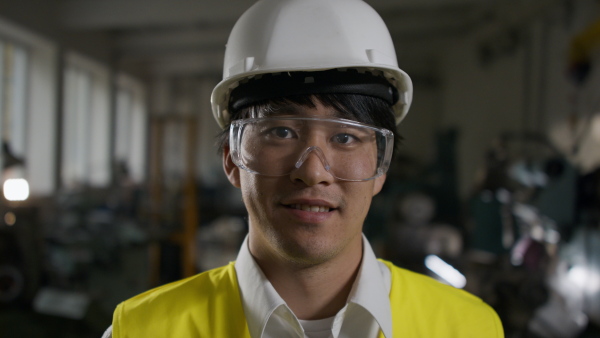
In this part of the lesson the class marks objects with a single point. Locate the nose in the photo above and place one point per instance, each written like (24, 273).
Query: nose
(312, 170)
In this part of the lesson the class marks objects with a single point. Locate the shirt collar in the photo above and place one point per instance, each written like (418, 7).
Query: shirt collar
(260, 299)
(372, 288)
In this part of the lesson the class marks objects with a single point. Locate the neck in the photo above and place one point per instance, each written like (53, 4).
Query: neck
(314, 291)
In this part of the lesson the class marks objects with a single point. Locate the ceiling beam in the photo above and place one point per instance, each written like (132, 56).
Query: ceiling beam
(179, 65)
(124, 14)
(145, 43)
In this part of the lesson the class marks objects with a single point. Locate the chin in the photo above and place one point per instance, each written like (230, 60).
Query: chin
(309, 252)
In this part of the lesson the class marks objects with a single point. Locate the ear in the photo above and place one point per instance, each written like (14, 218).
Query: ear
(231, 170)
(378, 184)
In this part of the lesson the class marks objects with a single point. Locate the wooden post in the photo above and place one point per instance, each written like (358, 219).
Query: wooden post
(157, 128)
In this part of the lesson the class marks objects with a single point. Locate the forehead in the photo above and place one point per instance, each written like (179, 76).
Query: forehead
(297, 110)
(314, 107)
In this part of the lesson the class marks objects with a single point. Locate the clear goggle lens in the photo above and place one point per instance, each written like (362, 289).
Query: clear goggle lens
(276, 146)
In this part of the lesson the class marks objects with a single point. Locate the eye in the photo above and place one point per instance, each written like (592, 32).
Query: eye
(282, 132)
(344, 138)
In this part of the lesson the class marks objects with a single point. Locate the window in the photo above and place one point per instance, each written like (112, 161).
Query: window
(88, 134)
(86, 124)
(89, 141)
(13, 113)
(131, 126)
(28, 87)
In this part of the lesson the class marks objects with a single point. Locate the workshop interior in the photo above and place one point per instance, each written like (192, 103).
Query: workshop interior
(111, 182)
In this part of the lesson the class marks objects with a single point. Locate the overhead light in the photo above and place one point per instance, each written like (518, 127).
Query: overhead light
(445, 271)
(16, 189)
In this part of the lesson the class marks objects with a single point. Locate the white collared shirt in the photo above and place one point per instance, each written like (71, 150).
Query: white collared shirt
(365, 314)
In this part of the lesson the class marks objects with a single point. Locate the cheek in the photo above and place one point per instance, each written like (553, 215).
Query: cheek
(250, 190)
(254, 194)
(359, 199)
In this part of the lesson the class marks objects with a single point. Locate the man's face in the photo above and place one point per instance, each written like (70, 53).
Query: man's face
(307, 217)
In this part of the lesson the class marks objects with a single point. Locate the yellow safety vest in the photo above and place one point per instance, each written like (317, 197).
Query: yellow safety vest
(208, 305)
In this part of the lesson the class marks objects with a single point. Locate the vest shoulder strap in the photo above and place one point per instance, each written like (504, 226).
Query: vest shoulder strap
(424, 307)
(204, 305)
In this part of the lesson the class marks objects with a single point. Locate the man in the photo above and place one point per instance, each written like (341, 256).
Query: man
(310, 97)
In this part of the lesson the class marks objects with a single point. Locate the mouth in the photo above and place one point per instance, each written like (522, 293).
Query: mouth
(310, 208)
(310, 211)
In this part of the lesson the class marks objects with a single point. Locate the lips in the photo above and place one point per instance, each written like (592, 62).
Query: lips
(311, 208)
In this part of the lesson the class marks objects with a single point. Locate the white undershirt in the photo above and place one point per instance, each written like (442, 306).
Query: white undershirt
(320, 328)
(365, 314)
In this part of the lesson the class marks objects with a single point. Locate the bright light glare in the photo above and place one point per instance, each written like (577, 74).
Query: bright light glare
(584, 278)
(16, 189)
(578, 275)
(446, 271)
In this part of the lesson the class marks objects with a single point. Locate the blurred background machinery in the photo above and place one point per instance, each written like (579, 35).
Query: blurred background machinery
(111, 183)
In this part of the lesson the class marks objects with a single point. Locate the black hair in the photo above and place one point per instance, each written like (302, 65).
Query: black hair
(362, 108)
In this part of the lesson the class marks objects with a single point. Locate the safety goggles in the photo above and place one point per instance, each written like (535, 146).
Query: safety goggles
(276, 146)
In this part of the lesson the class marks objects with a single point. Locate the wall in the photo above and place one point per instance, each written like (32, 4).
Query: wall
(420, 125)
(573, 110)
(521, 85)
(42, 17)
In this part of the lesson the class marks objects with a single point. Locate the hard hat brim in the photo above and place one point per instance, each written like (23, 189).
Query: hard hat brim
(398, 79)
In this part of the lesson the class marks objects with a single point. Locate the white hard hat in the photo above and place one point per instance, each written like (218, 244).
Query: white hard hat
(286, 36)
